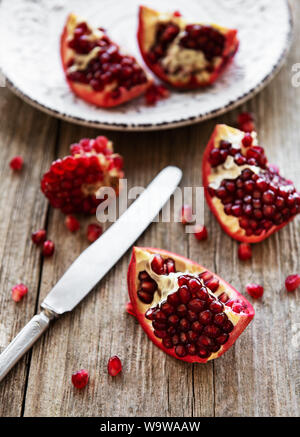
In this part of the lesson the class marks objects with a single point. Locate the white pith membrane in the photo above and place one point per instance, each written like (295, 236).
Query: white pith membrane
(167, 284)
(229, 170)
(177, 56)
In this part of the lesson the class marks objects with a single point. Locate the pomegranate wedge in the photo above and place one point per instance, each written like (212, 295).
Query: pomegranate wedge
(187, 311)
(248, 196)
(95, 68)
(186, 55)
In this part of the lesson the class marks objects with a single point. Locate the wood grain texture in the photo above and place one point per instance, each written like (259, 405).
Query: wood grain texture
(258, 376)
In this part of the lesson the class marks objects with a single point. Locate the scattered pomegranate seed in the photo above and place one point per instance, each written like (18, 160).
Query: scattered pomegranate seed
(244, 251)
(16, 163)
(255, 290)
(155, 93)
(39, 236)
(186, 214)
(177, 14)
(247, 140)
(246, 122)
(80, 378)
(200, 233)
(48, 248)
(18, 291)
(114, 365)
(72, 223)
(292, 282)
(93, 232)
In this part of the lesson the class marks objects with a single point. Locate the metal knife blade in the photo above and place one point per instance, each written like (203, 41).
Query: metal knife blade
(100, 257)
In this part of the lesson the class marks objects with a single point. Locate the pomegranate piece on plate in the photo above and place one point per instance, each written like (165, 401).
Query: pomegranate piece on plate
(187, 311)
(71, 183)
(186, 55)
(95, 68)
(248, 196)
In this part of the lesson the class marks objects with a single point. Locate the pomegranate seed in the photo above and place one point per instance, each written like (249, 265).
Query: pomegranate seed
(237, 307)
(16, 163)
(39, 236)
(80, 378)
(94, 231)
(18, 291)
(72, 223)
(292, 282)
(255, 290)
(247, 140)
(157, 264)
(114, 365)
(244, 251)
(48, 248)
(186, 214)
(180, 351)
(200, 233)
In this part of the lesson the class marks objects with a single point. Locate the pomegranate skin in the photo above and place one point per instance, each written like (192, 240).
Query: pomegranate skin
(147, 15)
(220, 132)
(140, 308)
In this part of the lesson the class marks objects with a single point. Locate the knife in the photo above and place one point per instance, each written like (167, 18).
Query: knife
(94, 262)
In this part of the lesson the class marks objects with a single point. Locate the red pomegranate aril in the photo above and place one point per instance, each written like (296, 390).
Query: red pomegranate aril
(228, 326)
(202, 294)
(16, 163)
(292, 282)
(220, 319)
(80, 378)
(160, 316)
(192, 316)
(173, 319)
(268, 197)
(247, 140)
(167, 308)
(200, 233)
(39, 236)
(160, 333)
(150, 313)
(203, 352)
(221, 339)
(159, 326)
(144, 296)
(223, 297)
(196, 305)
(205, 317)
(182, 280)
(173, 299)
(191, 349)
(175, 339)
(114, 366)
(186, 214)
(48, 248)
(94, 231)
(157, 264)
(18, 292)
(211, 331)
(255, 290)
(244, 251)
(181, 310)
(184, 325)
(167, 342)
(216, 306)
(72, 223)
(237, 307)
(171, 330)
(192, 336)
(204, 340)
(194, 284)
(213, 284)
(197, 327)
(143, 275)
(180, 350)
(184, 294)
(149, 286)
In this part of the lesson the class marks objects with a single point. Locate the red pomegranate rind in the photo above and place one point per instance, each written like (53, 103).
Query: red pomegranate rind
(249, 197)
(212, 48)
(71, 183)
(106, 77)
(141, 259)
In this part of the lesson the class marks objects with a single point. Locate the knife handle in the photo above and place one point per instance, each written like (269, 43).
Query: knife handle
(23, 342)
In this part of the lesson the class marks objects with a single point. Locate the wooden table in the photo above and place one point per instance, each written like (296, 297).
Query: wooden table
(259, 376)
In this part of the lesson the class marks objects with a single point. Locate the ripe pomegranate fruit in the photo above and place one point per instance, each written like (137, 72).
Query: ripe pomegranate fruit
(114, 365)
(18, 292)
(71, 183)
(186, 55)
(16, 163)
(187, 311)
(95, 69)
(80, 378)
(292, 282)
(249, 197)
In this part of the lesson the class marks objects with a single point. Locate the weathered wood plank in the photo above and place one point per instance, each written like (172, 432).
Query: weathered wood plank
(31, 134)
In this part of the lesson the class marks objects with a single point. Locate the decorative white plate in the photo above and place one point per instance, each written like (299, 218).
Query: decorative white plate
(29, 56)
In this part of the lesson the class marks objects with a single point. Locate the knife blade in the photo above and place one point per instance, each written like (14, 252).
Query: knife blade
(94, 262)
